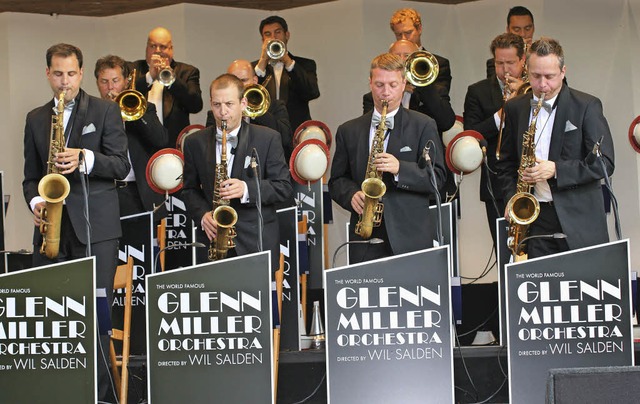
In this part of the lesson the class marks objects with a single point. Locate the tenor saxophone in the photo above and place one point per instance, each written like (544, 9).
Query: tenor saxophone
(373, 186)
(523, 208)
(222, 213)
(53, 187)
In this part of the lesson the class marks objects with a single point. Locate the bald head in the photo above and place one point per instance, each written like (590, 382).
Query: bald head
(160, 43)
(243, 70)
(403, 48)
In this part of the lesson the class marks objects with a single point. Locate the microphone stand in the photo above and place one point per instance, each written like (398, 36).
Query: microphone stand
(170, 247)
(255, 162)
(84, 179)
(554, 235)
(374, 240)
(607, 183)
(434, 183)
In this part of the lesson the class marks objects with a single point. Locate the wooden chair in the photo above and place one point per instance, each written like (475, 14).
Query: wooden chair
(123, 279)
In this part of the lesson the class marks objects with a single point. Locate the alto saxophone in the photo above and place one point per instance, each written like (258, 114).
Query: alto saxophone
(523, 208)
(373, 186)
(53, 187)
(224, 215)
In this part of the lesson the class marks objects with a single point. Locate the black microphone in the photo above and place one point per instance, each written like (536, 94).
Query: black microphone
(553, 235)
(595, 152)
(253, 165)
(425, 159)
(178, 245)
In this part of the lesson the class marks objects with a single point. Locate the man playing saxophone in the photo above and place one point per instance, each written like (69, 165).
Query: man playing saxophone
(94, 143)
(245, 143)
(405, 225)
(570, 128)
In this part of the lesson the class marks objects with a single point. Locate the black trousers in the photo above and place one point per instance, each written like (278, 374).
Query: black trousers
(547, 223)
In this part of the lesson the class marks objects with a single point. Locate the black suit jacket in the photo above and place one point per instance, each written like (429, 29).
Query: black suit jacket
(182, 98)
(96, 125)
(483, 99)
(297, 88)
(406, 203)
(145, 136)
(577, 194)
(275, 186)
(275, 118)
(432, 100)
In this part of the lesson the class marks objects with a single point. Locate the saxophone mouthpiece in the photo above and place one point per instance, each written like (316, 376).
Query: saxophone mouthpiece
(223, 125)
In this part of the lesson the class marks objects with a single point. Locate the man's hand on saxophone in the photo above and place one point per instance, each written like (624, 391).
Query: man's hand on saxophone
(37, 213)
(232, 188)
(68, 160)
(357, 202)
(386, 162)
(542, 171)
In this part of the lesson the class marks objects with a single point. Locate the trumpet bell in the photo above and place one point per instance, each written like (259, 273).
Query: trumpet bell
(166, 76)
(309, 161)
(258, 101)
(164, 171)
(421, 68)
(132, 105)
(276, 49)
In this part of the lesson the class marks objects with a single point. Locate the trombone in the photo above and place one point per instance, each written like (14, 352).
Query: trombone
(132, 103)
(421, 68)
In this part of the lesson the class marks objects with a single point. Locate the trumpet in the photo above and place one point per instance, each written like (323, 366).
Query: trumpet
(132, 103)
(276, 49)
(258, 100)
(421, 68)
(166, 76)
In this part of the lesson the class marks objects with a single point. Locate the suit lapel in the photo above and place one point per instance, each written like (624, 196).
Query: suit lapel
(241, 150)
(363, 144)
(395, 136)
(271, 85)
(77, 120)
(559, 123)
(496, 93)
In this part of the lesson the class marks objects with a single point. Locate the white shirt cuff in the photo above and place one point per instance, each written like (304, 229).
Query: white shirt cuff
(293, 64)
(259, 73)
(34, 201)
(245, 195)
(89, 160)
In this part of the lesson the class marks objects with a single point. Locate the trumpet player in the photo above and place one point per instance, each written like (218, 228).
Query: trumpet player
(292, 79)
(572, 144)
(275, 117)
(95, 145)
(174, 87)
(406, 224)
(202, 152)
(519, 22)
(145, 136)
(483, 112)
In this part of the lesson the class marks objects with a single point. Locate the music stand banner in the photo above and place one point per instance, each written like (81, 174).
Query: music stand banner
(180, 232)
(136, 242)
(289, 327)
(47, 334)
(309, 201)
(389, 330)
(210, 332)
(567, 310)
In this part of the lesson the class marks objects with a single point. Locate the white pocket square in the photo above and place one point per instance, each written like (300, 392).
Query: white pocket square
(88, 129)
(247, 161)
(405, 149)
(569, 126)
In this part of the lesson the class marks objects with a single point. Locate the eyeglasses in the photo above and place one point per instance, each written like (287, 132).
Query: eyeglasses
(157, 46)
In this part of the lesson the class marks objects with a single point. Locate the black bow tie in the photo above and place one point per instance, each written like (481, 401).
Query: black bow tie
(547, 107)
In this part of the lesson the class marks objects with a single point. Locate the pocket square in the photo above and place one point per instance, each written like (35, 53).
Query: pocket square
(88, 129)
(569, 126)
(247, 161)
(405, 149)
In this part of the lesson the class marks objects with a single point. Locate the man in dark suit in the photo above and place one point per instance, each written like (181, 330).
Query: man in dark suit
(202, 153)
(276, 117)
(96, 145)
(567, 174)
(292, 79)
(406, 225)
(174, 100)
(519, 22)
(145, 136)
(483, 113)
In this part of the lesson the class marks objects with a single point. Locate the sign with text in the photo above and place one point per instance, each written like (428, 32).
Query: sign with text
(47, 334)
(289, 331)
(309, 201)
(210, 332)
(136, 242)
(179, 234)
(389, 330)
(567, 310)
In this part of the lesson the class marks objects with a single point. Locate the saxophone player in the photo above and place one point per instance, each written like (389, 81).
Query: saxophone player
(202, 153)
(566, 176)
(93, 129)
(405, 224)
